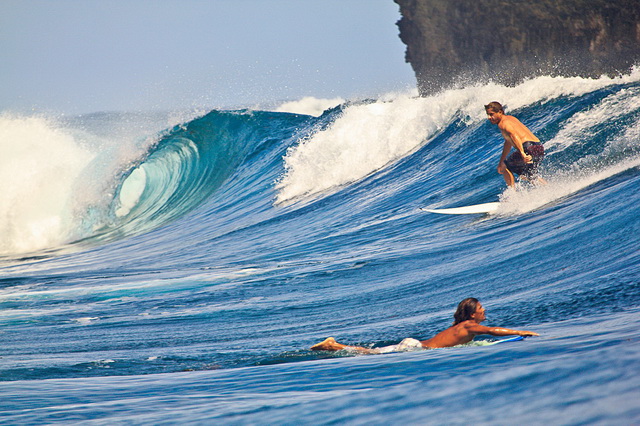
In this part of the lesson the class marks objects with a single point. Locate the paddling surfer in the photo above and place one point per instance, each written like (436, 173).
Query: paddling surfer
(466, 326)
(528, 152)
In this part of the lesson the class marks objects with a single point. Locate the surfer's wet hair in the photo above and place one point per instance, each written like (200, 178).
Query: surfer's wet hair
(494, 106)
(465, 310)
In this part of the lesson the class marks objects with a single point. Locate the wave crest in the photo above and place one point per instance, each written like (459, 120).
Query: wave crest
(367, 137)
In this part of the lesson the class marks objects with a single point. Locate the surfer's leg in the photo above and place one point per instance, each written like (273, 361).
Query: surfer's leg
(330, 344)
(513, 164)
(508, 178)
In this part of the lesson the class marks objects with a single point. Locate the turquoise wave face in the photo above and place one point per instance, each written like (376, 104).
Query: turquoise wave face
(186, 166)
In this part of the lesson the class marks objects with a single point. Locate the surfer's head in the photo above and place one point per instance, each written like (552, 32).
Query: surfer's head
(494, 106)
(469, 308)
(495, 111)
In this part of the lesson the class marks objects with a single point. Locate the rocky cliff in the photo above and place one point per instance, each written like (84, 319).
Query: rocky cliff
(450, 42)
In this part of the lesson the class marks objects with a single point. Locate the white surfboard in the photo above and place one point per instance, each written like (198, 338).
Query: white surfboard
(509, 339)
(475, 209)
(494, 342)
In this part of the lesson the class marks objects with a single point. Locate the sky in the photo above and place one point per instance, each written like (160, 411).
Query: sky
(82, 56)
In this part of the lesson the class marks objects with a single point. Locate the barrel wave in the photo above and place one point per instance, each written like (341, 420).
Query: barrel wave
(190, 264)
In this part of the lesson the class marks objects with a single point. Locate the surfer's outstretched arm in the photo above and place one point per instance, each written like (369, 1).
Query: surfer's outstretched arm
(478, 329)
(330, 344)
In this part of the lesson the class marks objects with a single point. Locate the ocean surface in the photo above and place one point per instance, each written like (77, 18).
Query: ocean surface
(163, 268)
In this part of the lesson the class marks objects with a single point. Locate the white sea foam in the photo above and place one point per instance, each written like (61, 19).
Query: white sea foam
(582, 174)
(582, 124)
(52, 175)
(368, 137)
(309, 105)
(38, 165)
(522, 201)
(85, 320)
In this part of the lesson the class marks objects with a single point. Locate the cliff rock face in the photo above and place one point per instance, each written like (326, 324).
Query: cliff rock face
(450, 42)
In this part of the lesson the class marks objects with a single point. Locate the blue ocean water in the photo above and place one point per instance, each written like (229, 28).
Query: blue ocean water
(176, 268)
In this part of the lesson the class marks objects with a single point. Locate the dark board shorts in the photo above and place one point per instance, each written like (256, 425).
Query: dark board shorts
(516, 164)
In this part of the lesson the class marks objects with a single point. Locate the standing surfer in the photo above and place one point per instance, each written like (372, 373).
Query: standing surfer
(529, 151)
